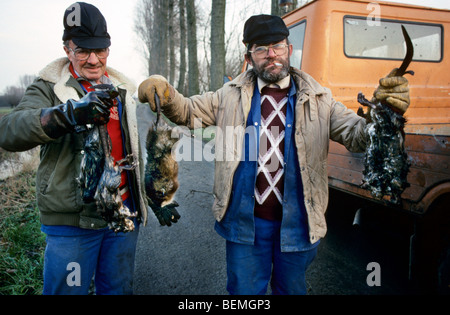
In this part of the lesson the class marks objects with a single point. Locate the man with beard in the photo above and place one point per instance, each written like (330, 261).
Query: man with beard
(270, 185)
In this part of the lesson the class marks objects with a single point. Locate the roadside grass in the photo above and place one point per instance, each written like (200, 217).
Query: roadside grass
(5, 110)
(21, 241)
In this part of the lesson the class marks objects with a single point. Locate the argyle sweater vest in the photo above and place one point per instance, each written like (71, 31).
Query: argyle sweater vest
(269, 186)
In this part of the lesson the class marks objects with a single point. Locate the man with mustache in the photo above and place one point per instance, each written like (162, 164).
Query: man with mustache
(56, 113)
(271, 195)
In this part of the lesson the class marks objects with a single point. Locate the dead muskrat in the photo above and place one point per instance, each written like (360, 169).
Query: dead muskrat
(161, 170)
(386, 163)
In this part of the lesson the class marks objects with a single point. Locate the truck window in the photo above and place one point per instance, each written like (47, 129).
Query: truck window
(296, 38)
(385, 41)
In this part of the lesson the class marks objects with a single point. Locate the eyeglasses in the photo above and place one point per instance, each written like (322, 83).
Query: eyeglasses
(278, 49)
(82, 54)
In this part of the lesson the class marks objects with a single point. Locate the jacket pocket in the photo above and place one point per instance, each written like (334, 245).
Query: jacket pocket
(57, 189)
(46, 170)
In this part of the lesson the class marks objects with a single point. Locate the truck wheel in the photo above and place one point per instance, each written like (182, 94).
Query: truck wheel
(432, 248)
(444, 271)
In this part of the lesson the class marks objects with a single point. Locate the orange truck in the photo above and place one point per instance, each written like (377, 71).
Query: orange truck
(347, 45)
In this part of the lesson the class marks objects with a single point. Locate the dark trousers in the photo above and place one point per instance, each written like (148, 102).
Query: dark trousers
(251, 267)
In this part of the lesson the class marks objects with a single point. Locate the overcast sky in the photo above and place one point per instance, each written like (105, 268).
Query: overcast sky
(31, 35)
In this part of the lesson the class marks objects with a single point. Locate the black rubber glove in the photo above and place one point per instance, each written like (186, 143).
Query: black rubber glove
(93, 108)
(166, 215)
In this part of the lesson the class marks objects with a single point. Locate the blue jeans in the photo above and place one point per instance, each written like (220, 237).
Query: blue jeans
(251, 267)
(73, 256)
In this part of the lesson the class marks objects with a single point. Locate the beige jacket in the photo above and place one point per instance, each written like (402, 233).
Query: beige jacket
(318, 118)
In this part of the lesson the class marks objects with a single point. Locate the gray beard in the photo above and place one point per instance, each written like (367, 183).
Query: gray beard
(271, 77)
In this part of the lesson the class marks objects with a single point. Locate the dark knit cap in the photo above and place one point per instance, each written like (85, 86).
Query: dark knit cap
(85, 26)
(264, 29)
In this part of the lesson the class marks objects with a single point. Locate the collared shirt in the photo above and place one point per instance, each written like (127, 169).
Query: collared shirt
(282, 84)
(238, 224)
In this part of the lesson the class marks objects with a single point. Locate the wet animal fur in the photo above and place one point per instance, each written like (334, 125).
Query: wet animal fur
(386, 163)
(92, 165)
(161, 170)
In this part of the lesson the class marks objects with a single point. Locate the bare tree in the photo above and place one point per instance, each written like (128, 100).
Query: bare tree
(143, 26)
(26, 80)
(151, 25)
(171, 39)
(193, 74)
(275, 8)
(13, 95)
(182, 75)
(162, 20)
(217, 68)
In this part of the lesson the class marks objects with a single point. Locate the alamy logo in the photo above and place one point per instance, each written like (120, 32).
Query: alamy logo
(226, 143)
(373, 19)
(374, 277)
(74, 17)
(73, 279)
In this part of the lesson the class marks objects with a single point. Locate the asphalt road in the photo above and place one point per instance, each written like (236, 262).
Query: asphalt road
(188, 258)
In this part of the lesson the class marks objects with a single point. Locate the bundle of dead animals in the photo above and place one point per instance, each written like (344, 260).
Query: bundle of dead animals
(386, 163)
(100, 177)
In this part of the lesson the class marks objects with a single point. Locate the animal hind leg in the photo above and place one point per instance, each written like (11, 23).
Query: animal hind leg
(363, 101)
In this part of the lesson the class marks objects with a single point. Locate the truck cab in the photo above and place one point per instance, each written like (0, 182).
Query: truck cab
(347, 46)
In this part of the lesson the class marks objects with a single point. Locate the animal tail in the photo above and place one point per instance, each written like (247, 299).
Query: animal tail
(409, 54)
(158, 109)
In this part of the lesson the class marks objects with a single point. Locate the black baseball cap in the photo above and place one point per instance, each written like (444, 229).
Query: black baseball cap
(85, 25)
(264, 29)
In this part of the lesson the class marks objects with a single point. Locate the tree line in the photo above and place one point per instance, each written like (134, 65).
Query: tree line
(14, 93)
(188, 42)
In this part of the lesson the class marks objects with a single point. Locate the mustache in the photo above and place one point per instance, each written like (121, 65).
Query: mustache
(268, 61)
(88, 66)
(278, 64)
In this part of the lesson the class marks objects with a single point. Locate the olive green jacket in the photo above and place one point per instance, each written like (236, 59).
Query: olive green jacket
(57, 192)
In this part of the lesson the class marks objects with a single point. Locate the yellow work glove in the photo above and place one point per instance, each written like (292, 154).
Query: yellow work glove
(394, 90)
(155, 84)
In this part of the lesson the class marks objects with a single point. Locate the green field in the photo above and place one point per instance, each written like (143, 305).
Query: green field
(5, 110)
